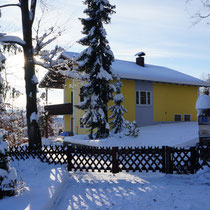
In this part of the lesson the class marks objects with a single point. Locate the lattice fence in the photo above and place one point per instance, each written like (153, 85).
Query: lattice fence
(203, 155)
(165, 159)
(89, 159)
(141, 159)
(50, 154)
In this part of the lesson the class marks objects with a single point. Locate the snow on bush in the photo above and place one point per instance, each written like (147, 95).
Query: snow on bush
(8, 175)
(131, 129)
(203, 102)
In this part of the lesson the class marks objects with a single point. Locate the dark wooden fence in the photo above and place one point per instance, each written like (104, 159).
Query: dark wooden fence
(165, 159)
(49, 154)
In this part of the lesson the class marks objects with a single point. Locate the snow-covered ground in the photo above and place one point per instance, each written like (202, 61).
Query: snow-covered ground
(52, 187)
(173, 134)
(40, 183)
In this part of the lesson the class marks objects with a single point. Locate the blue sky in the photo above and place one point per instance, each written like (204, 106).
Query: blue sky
(163, 29)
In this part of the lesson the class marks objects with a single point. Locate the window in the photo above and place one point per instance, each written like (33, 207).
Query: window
(187, 117)
(177, 117)
(143, 97)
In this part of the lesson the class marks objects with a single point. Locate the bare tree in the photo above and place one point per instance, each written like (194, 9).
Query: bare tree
(28, 8)
(203, 12)
(32, 48)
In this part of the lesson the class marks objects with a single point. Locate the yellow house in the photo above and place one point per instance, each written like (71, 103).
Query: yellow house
(153, 94)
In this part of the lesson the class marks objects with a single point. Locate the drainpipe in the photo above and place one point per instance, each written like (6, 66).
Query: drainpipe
(46, 115)
(73, 109)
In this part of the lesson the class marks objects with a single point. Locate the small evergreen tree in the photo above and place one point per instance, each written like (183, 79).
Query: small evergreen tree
(117, 109)
(131, 129)
(95, 61)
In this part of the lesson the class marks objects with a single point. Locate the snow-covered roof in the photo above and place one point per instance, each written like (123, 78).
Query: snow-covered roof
(140, 54)
(203, 102)
(130, 70)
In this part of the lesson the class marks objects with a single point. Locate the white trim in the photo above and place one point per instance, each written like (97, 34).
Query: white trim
(147, 91)
(73, 109)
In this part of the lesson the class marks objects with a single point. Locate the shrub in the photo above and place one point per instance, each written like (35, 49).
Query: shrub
(131, 129)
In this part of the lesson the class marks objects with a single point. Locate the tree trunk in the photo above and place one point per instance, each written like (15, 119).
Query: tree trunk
(34, 134)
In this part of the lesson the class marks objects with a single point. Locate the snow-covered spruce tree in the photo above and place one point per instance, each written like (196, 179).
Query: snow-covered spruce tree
(95, 61)
(117, 109)
(8, 175)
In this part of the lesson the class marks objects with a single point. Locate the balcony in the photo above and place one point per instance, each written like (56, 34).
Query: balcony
(59, 109)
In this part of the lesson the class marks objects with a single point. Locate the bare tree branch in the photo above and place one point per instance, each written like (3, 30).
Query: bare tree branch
(204, 16)
(9, 5)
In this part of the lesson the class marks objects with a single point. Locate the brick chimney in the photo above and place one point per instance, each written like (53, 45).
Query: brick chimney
(140, 58)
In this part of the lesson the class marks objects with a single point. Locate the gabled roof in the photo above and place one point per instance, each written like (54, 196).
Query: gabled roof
(130, 70)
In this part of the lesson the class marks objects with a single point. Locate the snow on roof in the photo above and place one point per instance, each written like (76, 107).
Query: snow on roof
(203, 102)
(140, 54)
(130, 70)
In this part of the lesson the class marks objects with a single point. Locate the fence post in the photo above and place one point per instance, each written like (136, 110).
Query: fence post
(193, 160)
(163, 159)
(115, 163)
(168, 160)
(69, 157)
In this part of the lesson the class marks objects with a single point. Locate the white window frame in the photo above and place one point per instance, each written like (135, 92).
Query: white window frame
(147, 91)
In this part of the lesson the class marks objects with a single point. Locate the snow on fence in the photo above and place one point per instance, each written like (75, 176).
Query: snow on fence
(84, 158)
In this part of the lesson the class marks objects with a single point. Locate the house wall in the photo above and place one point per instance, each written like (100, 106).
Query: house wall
(67, 99)
(144, 113)
(128, 90)
(77, 112)
(171, 99)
